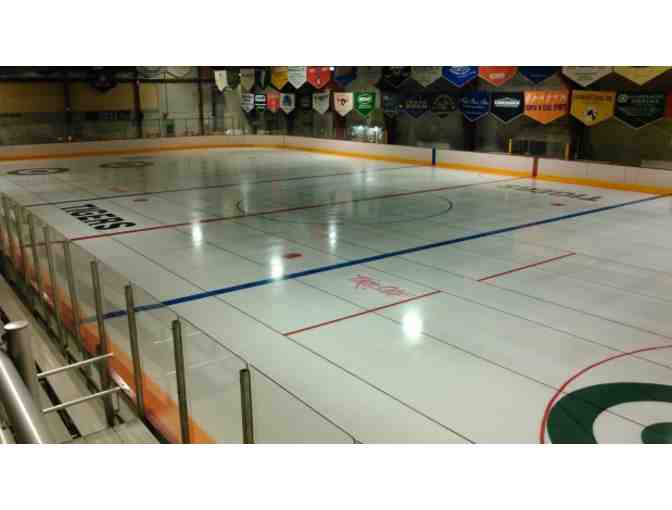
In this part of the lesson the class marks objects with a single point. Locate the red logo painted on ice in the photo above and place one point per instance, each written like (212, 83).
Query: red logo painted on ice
(366, 282)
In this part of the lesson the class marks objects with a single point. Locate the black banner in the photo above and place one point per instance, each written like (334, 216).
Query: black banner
(442, 105)
(639, 109)
(537, 74)
(396, 75)
(391, 103)
(306, 102)
(506, 106)
(260, 101)
(417, 105)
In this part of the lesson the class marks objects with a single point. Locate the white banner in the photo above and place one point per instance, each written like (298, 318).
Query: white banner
(426, 75)
(585, 75)
(221, 80)
(247, 78)
(297, 75)
(321, 102)
(247, 102)
(344, 102)
(368, 74)
(287, 103)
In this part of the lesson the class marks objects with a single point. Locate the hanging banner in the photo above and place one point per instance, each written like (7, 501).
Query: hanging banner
(537, 74)
(279, 76)
(442, 105)
(319, 76)
(321, 102)
(273, 101)
(296, 75)
(344, 102)
(221, 80)
(369, 75)
(459, 75)
(497, 75)
(365, 103)
(396, 75)
(639, 109)
(507, 106)
(426, 75)
(668, 105)
(344, 76)
(287, 103)
(475, 104)
(585, 75)
(260, 101)
(545, 106)
(416, 105)
(391, 103)
(247, 78)
(306, 102)
(247, 102)
(640, 74)
(592, 106)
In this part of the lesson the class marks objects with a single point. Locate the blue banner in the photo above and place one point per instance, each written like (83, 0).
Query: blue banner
(475, 104)
(416, 106)
(460, 75)
(537, 74)
(344, 75)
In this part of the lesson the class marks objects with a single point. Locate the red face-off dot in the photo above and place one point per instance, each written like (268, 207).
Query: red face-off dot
(292, 255)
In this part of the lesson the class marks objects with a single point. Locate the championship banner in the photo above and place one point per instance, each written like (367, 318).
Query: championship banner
(475, 104)
(296, 75)
(639, 109)
(426, 75)
(417, 105)
(247, 78)
(247, 102)
(396, 75)
(585, 75)
(459, 76)
(221, 80)
(319, 76)
(279, 76)
(497, 75)
(306, 102)
(260, 101)
(537, 74)
(545, 106)
(442, 105)
(365, 103)
(287, 103)
(344, 76)
(368, 74)
(344, 102)
(273, 101)
(391, 103)
(507, 106)
(592, 106)
(321, 102)
(640, 74)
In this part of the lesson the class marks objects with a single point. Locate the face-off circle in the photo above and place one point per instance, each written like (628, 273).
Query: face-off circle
(38, 171)
(127, 164)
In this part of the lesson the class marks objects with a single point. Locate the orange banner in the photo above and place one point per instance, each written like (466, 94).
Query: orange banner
(497, 75)
(545, 106)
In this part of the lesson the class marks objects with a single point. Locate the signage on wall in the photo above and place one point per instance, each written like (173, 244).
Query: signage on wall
(475, 104)
(365, 103)
(459, 75)
(442, 105)
(296, 75)
(279, 76)
(507, 106)
(640, 74)
(247, 102)
(592, 106)
(545, 106)
(537, 74)
(321, 102)
(287, 103)
(416, 105)
(497, 75)
(426, 75)
(344, 102)
(247, 78)
(639, 109)
(318, 76)
(585, 75)
(396, 75)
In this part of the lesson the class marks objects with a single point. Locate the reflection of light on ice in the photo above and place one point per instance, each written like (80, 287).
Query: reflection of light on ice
(277, 268)
(196, 234)
(333, 235)
(411, 323)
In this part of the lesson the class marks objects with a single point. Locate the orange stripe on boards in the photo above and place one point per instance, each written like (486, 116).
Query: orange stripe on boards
(160, 409)
(359, 155)
(655, 190)
(483, 169)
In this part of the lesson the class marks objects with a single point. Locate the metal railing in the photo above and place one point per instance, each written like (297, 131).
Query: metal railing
(183, 383)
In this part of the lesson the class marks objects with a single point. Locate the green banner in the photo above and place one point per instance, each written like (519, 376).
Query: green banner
(365, 102)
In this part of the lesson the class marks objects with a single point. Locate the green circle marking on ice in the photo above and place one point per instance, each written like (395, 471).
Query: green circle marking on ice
(572, 418)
